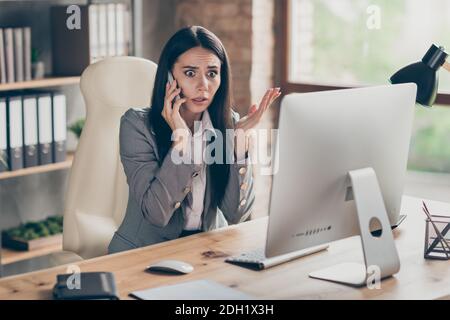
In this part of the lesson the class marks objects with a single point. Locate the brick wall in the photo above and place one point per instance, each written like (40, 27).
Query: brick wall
(246, 29)
(231, 21)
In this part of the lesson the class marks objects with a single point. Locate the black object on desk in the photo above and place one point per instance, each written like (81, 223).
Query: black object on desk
(437, 246)
(89, 286)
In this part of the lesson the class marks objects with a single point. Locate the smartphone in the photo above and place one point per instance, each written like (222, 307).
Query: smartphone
(170, 79)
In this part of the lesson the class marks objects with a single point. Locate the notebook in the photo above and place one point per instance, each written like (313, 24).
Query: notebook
(192, 290)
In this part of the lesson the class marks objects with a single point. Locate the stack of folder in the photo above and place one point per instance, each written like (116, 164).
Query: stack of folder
(15, 54)
(32, 129)
(105, 31)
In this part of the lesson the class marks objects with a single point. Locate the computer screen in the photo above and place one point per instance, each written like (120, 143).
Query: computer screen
(322, 137)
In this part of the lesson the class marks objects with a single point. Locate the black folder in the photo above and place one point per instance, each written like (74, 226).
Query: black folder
(45, 128)
(30, 131)
(15, 132)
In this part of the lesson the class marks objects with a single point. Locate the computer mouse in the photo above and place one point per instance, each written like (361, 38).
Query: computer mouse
(171, 266)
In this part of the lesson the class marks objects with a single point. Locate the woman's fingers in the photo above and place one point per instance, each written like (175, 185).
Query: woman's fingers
(275, 92)
(173, 95)
(178, 121)
(173, 85)
(177, 105)
(253, 108)
(263, 104)
(271, 97)
(171, 92)
(172, 116)
(274, 96)
(265, 99)
(255, 112)
(170, 89)
(168, 109)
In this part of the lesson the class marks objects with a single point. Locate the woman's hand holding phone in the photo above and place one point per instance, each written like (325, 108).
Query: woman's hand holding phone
(171, 110)
(171, 113)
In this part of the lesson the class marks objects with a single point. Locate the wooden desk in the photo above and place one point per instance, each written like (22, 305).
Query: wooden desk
(417, 279)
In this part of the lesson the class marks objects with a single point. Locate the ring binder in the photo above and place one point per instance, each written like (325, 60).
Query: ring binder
(30, 131)
(15, 133)
(45, 128)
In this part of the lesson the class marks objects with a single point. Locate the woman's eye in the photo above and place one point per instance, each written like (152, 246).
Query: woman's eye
(190, 73)
(212, 74)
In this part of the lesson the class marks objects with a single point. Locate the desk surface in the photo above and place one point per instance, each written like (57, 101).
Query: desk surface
(418, 278)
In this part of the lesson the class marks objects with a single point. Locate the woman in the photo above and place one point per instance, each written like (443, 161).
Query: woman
(169, 198)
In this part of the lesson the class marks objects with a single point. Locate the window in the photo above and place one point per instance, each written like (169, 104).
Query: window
(357, 42)
(346, 43)
(430, 143)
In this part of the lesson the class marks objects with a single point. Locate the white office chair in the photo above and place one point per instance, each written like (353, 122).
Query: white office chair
(97, 193)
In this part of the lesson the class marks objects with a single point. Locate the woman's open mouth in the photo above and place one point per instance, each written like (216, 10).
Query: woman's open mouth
(200, 100)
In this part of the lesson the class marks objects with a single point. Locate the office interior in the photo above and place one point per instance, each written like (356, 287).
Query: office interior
(298, 45)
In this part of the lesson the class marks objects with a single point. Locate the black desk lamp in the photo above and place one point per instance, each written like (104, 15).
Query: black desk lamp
(425, 74)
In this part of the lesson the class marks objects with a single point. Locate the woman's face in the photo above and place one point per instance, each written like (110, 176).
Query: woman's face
(197, 72)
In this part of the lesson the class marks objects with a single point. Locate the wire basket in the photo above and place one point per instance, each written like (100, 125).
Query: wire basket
(437, 237)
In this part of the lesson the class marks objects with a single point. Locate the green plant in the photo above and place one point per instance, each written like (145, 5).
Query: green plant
(35, 230)
(77, 127)
(35, 55)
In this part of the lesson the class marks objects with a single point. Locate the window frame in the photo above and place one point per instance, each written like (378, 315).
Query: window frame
(289, 87)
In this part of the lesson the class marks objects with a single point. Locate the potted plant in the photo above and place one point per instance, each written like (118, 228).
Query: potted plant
(34, 235)
(77, 127)
(37, 66)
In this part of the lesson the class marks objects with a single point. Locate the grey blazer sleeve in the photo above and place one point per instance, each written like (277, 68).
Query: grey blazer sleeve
(239, 194)
(157, 190)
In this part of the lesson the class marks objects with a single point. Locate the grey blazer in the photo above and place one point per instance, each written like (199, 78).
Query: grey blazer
(157, 193)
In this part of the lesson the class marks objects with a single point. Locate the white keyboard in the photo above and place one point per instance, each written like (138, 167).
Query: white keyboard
(257, 258)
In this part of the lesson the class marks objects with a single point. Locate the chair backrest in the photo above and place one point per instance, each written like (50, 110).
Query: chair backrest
(97, 192)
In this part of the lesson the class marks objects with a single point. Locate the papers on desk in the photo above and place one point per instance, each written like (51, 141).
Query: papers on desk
(192, 290)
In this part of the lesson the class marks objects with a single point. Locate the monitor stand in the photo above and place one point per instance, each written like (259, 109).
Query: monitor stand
(380, 254)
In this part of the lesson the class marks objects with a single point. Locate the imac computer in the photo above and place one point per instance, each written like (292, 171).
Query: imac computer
(342, 158)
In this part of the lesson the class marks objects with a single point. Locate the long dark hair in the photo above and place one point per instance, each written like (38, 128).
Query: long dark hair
(219, 110)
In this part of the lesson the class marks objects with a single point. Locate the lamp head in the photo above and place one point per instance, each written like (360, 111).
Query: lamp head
(424, 74)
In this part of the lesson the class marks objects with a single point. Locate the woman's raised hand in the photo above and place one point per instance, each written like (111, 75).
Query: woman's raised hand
(243, 140)
(171, 111)
(256, 112)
